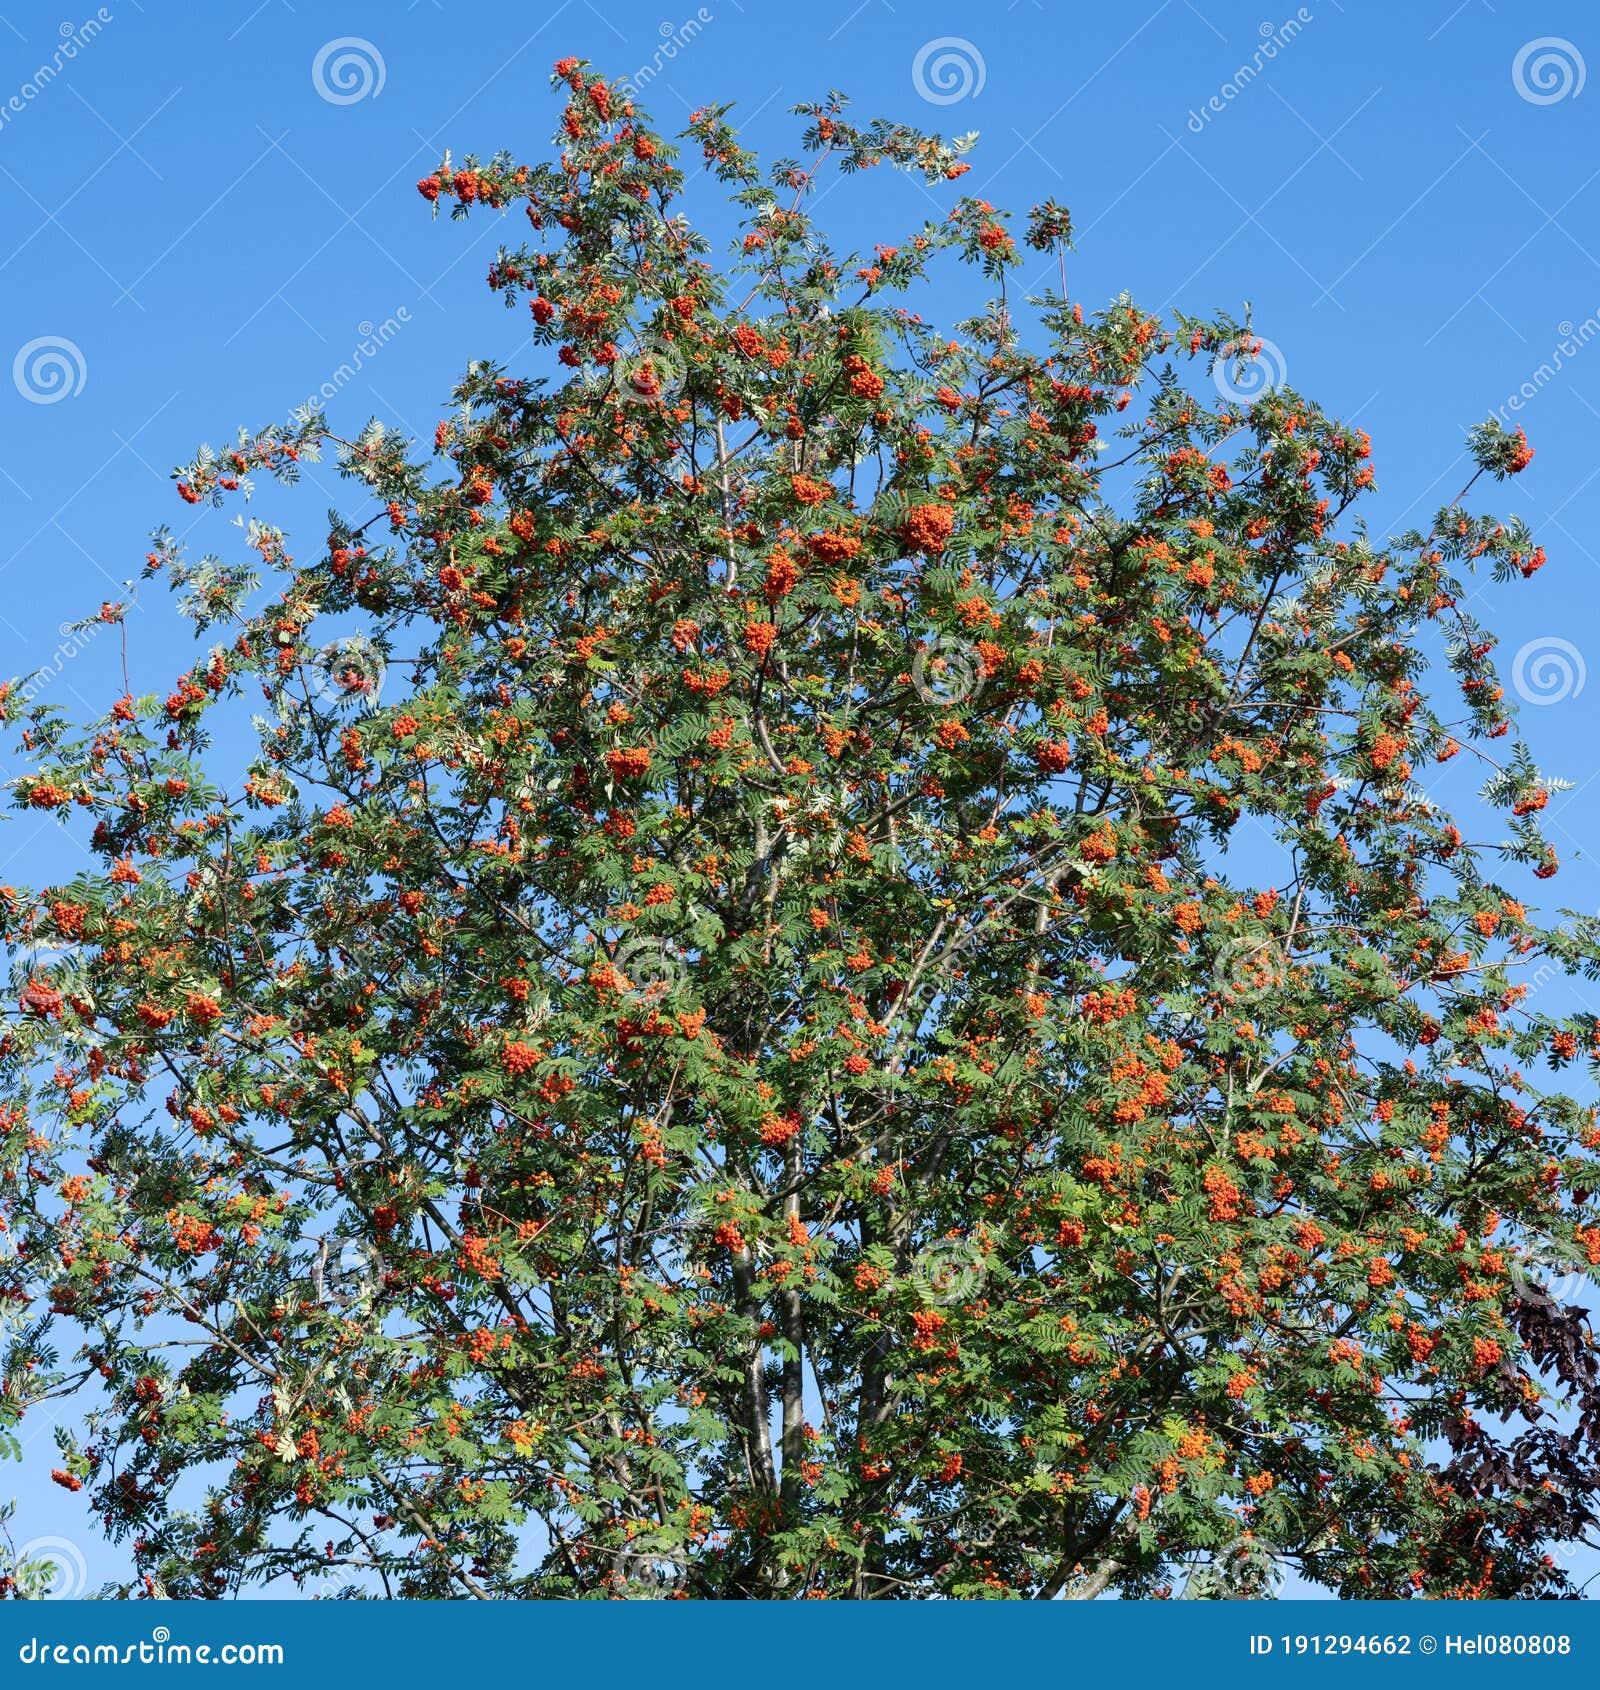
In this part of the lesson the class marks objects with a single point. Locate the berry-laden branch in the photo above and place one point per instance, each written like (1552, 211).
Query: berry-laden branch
(826, 972)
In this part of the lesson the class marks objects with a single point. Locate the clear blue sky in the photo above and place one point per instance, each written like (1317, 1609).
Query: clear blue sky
(196, 236)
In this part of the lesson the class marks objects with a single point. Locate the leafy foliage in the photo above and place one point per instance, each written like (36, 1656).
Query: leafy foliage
(826, 974)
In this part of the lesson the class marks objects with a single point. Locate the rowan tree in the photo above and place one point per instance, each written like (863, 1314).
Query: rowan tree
(809, 960)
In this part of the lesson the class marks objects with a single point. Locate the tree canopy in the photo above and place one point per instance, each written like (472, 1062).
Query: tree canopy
(808, 958)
